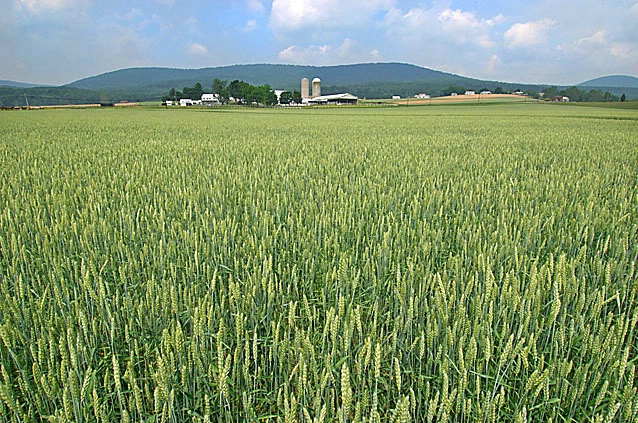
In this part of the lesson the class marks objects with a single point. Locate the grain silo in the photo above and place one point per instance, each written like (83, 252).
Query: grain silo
(305, 88)
(316, 87)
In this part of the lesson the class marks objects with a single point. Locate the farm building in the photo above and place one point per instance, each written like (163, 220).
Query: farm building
(316, 87)
(210, 99)
(305, 88)
(188, 102)
(316, 98)
(422, 96)
(560, 98)
(470, 93)
(345, 98)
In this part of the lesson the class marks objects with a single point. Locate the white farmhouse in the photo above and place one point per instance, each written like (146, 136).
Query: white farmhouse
(210, 99)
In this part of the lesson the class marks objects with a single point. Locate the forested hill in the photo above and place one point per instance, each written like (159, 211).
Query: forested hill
(367, 80)
(617, 81)
(277, 76)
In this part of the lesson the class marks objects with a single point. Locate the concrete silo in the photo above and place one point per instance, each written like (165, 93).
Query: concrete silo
(305, 88)
(316, 87)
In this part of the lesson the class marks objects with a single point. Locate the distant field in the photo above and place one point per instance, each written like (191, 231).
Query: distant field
(427, 264)
(482, 98)
(629, 105)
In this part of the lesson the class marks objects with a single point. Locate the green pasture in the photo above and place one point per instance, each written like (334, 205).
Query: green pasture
(398, 264)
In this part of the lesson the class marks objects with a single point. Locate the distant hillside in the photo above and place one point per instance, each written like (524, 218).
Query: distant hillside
(277, 76)
(370, 80)
(46, 96)
(14, 84)
(616, 81)
(367, 80)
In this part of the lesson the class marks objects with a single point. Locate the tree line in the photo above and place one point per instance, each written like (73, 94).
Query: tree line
(239, 92)
(576, 94)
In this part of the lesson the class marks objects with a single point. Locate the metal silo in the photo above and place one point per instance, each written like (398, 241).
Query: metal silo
(305, 88)
(316, 87)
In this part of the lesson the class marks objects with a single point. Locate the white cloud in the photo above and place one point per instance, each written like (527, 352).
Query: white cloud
(627, 51)
(528, 34)
(346, 52)
(309, 55)
(293, 15)
(250, 26)
(197, 49)
(255, 6)
(133, 14)
(39, 6)
(492, 63)
(441, 26)
(599, 37)
(466, 27)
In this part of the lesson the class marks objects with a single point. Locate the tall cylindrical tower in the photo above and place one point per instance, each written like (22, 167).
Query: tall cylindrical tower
(316, 87)
(305, 88)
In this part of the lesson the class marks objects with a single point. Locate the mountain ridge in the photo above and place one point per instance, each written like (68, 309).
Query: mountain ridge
(366, 80)
(615, 81)
(16, 84)
(275, 75)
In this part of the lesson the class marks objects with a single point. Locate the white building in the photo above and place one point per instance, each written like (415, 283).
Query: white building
(345, 98)
(188, 102)
(470, 93)
(210, 99)
(316, 87)
(425, 96)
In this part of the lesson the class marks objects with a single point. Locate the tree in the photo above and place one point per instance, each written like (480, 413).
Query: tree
(265, 95)
(285, 97)
(197, 91)
(454, 89)
(595, 95)
(623, 97)
(551, 92)
(220, 88)
(499, 90)
(296, 97)
(238, 90)
(533, 94)
(574, 94)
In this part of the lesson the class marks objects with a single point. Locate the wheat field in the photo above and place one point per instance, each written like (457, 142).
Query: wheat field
(441, 264)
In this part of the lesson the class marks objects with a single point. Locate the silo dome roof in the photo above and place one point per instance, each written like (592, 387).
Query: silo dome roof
(316, 80)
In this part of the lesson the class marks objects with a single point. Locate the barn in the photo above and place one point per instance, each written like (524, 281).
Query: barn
(337, 99)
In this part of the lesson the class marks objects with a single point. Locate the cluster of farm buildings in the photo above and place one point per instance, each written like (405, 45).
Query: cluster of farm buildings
(314, 97)
(308, 98)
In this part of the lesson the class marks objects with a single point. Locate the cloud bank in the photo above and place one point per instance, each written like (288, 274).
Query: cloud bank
(56, 41)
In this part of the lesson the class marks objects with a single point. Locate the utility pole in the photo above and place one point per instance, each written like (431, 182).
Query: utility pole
(26, 99)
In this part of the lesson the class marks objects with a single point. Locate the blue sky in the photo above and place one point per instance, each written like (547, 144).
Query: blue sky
(543, 41)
